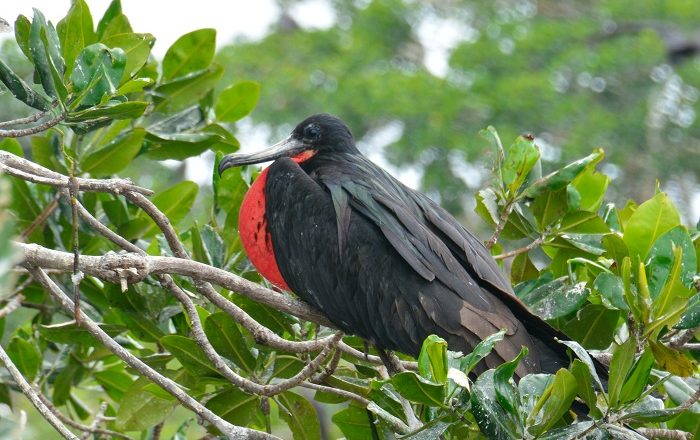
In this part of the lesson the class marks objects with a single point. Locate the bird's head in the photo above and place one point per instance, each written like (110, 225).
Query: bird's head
(317, 134)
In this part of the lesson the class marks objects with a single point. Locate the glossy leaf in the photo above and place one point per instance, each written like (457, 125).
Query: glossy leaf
(521, 157)
(40, 55)
(113, 11)
(227, 340)
(186, 90)
(190, 355)
(523, 269)
(650, 221)
(178, 146)
(175, 202)
(25, 356)
(99, 69)
(489, 415)
(191, 52)
(671, 360)
(585, 386)
(560, 178)
(612, 290)
(22, 29)
(583, 222)
(593, 326)
(591, 187)
(237, 101)
(416, 389)
(432, 361)
(637, 378)
(115, 382)
(123, 110)
(622, 360)
(300, 415)
(555, 401)
(235, 406)
(506, 392)
(481, 350)
(69, 333)
(115, 156)
(76, 32)
(661, 259)
(136, 47)
(140, 409)
(20, 89)
(556, 299)
(691, 317)
(353, 422)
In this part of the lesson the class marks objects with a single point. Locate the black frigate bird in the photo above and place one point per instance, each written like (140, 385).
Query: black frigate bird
(379, 259)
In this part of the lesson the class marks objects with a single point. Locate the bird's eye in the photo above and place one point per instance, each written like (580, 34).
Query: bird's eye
(312, 132)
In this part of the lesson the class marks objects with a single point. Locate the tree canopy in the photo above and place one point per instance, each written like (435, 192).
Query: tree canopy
(128, 308)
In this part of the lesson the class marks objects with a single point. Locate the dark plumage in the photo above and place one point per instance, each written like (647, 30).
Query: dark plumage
(383, 261)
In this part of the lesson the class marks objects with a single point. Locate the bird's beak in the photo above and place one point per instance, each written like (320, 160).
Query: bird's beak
(287, 147)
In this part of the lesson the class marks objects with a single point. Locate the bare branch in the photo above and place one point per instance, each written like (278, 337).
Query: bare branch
(503, 219)
(165, 383)
(99, 418)
(12, 304)
(673, 434)
(33, 397)
(30, 171)
(521, 250)
(342, 393)
(14, 133)
(26, 120)
(79, 426)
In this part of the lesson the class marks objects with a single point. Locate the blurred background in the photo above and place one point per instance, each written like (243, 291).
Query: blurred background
(417, 80)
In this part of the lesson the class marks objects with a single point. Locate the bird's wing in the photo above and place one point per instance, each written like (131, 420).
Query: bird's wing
(431, 241)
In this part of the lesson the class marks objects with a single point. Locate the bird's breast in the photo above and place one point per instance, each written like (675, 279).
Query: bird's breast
(255, 235)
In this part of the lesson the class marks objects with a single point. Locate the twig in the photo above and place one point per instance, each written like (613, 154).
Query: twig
(503, 219)
(99, 418)
(681, 339)
(342, 393)
(14, 133)
(77, 275)
(673, 434)
(12, 304)
(30, 171)
(690, 402)
(26, 120)
(521, 250)
(40, 219)
(329, 369)
(79, 426)
(33, 397)
(165, 383)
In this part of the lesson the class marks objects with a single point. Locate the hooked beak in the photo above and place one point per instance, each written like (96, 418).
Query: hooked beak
(286, 147)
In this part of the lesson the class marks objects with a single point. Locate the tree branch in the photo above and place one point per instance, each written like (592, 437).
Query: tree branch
(521, 250)
(503, 219)
(33, 397)
(79, 426)
(165, 383)
(14, 133)
(673, 434)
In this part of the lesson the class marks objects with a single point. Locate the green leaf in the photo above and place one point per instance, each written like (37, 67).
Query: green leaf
(99, 69)
(549, 207)
(432, 361)
(651, 220)
(585, 387)
(487, 206)
(591, 188)
(583, 355)
(115, 382)
(300, 415)
(235, 406)
(140, 409)
(615, 248)
(227, 340)
(178, 146)
(523, 269)
(75, 31)
(593, 326)
(691, 316)
(668, 307)
(143, 328)
(113, 11)
(353, 422)
(237, 101)
(522, 156)
(21, 90)
(506, 392)
(175, 203)
(481, 350)
(555, 401)
(583, 222)
(575, 430)
(560, 178)
(112, 110)
(22, 29)
(622, 360)
(637, 378)
(191, 52)
(69, 333)
(416, 389)
(25, 356)
(186, 90)
(137, 48)
(490, 416)
(40, 55)
(556, 298)
(115, 156)
(190, 355)
(661, 259)
(611, 290)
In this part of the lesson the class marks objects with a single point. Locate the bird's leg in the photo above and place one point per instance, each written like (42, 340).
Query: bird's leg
(390, 361)
(366, 350)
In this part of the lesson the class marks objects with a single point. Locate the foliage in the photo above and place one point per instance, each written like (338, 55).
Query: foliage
(622, 280)
(578, 75)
